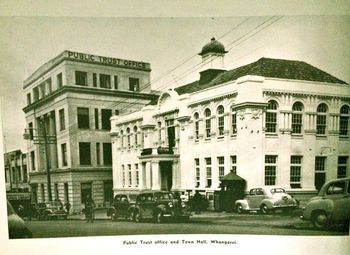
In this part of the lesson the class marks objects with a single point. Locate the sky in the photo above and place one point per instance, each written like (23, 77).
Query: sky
(165, 42)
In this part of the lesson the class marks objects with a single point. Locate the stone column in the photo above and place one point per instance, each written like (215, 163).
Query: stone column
(155, 175)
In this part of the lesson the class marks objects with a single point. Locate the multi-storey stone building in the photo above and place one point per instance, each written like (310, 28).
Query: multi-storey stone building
(16, 171)
(70, 100)
(273, 122)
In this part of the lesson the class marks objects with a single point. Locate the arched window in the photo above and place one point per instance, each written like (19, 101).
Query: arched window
(128, 136)
(271, 117)
(135, 136)
(196, 126)
(297, 118)
(233, 120)
(344, 120)
(221, 120)
(121, 139)
(321, 121)
(207, 114)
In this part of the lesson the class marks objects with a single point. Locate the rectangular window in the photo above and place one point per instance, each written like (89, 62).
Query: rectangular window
(107, 153)
(84, 154)
(271, 122)
(137, 175)
(97, 124)
(115, 82)
(62, 120)
(343, 125)
(129, 175)
(83, 117)
(94, 79)
(32, 156)
(221, 123)
(85, 190)
(134, 84)
(295, 171)
(116, 112)
(42, 88)
(66, 192)
(208, 127)
(197, 172)
(321, 124)
(208, 171)
(106, 115)
(342, 166)
(296, 123)
(31, 132)
(234, 164)
(270, 169)
(64, 154)
(123, 171)
(59, 80)
(36, 94)
(320, 172)
(48, 83)
(98, 153)
(81, 78)
(234, 122)
(29, 99)
(105, 81)
(221, 166)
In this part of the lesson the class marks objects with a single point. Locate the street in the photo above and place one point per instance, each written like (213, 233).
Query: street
(207, 223)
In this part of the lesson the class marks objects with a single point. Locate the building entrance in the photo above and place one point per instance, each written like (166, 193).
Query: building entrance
(166, 175)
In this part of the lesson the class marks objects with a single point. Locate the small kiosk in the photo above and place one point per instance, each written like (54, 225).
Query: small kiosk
(232, 189)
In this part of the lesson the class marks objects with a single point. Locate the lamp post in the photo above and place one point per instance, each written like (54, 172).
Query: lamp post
(44, 139)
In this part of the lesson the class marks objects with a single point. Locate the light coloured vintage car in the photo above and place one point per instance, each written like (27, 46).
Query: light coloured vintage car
(331, 205)
(266, 200)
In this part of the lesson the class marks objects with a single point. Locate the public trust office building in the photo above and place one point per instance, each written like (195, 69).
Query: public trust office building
(71, 98)
(273, 122)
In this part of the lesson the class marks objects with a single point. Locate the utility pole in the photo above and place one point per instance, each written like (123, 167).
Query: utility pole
(44, 139)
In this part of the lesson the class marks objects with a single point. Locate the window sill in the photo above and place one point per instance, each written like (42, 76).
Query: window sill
(321, 137)
(297, 136)
(271, 134)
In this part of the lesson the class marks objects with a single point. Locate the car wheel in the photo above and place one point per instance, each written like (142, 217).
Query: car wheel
(137, 217)
(239, 209)
(130, 216)
(320, 220)
(159, 217)
(264, 209)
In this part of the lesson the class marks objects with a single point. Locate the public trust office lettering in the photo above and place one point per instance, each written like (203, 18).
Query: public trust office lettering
(106, 60)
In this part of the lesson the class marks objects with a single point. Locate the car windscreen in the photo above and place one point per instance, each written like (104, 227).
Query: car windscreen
(164, 196)
(278, 190)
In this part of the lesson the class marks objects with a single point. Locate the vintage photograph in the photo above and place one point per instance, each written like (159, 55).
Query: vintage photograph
(200, 125)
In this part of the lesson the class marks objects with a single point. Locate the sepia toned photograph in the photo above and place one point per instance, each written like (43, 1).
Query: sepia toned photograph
(175, 126)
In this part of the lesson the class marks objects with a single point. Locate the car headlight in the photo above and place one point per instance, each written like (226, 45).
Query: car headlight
(170, 204)
(183, 204)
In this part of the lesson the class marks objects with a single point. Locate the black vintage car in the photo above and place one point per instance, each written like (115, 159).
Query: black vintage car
(122, 206)
(50, 210)
(158, 205)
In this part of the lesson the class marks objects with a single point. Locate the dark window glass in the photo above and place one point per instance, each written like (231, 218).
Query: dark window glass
(81, 78)
(64, 154)
(105, 81)
(59, 81)
(98, 151)
(321, 121)
(31, 133)
(106, 115)
(84, 154)
(108, 191)
(94, 80)
(32, 156)
(107, 153)
(83, 118)
(134, 84)
(96, 119)
(62, 120)
(36, 94)
(29, 99)
(115, 82)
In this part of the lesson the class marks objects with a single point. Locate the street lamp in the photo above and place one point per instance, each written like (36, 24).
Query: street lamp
(45, 139)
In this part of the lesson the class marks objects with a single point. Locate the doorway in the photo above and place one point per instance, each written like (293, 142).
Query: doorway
(166, 175)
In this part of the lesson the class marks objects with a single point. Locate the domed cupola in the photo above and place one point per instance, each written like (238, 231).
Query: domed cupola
(213, 46)
(212, 60)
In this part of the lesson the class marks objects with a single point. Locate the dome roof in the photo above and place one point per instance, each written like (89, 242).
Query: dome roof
(213, 46)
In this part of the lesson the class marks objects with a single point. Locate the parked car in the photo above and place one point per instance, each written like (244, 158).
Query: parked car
(266, 200)
(331, 205)
(122, 206)
(50, 210)
(16, 226)
(159, 205)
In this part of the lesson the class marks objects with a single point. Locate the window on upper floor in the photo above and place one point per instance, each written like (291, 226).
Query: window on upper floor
(115, 82)
(159, 133)
(94, 80)
(96, 115)
(321, 121)
(297, 118)
(42, 89)
(81, 78)
(36, 93)
(135, 136)
(106, 114)
(344, 121)
(29, 99)
(207, 114)
(85, 153)
(196, 126)
(59, 80)
(128, 137)
(83, 117)
(105, 81)
(64, 154)
(107, 153)
(48, 84)
(233, 121)
(220, 120)
(342, 166)
(62, 119)
(134, 84)
(271, 117)
(121, 138)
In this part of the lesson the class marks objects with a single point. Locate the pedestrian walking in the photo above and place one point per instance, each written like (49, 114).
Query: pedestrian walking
(67, 207)
(89, 209)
